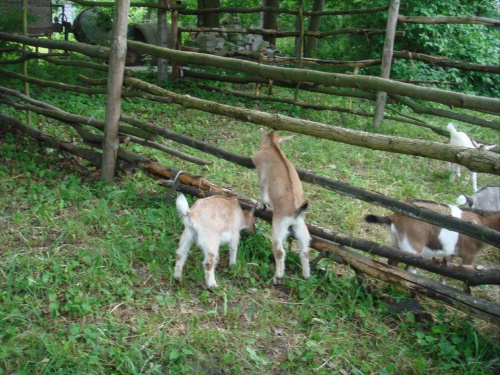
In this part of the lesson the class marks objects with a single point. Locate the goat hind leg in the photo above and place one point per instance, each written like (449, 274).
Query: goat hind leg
(209, 264)
(302, 235)
(280, 229)
(185, 243)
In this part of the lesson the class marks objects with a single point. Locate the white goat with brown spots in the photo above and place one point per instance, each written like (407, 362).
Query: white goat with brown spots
(421, 238)
(211, 222)
(280, 187)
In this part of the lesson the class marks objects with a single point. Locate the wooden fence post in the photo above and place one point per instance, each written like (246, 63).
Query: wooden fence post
(117, 56)
(162, 72)
(385, 70)
(25, 63)
(300, 51)
(269, 20)
(175, 41)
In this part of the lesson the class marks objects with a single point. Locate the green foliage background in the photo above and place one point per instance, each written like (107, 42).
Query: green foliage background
(470, 43)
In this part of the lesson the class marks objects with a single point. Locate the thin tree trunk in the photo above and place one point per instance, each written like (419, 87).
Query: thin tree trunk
(314, 22)
(385, 71)
(115, 80)
(175, 42)
(269, 20)
(162, 64)
(25, 63)
(208, 19)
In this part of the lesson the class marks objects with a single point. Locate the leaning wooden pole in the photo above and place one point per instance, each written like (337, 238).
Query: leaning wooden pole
(385, 71)
(454, 99)
(114, 90)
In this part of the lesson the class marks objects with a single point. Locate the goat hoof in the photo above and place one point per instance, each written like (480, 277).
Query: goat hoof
(212, 286)
(277, 280)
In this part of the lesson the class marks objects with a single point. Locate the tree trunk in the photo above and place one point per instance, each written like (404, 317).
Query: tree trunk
(208, 19)
(385, 71)
(269, 20)
(115, 80)
(314, 22)
(25, 63)
(175, 43)
(162, 64)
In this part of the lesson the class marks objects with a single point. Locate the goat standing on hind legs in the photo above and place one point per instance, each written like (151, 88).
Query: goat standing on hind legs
(280, 187)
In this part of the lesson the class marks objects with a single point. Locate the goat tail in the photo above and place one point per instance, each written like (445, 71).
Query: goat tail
(301, 211)
(374, 219)
(463, 199)
(183, 209)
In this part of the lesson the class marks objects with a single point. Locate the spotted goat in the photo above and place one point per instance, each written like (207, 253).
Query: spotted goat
(421, 238)
(211, 222)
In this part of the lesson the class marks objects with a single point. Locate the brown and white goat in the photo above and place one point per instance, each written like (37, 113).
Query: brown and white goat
(421, 238)
(280, 187)
(211, 222)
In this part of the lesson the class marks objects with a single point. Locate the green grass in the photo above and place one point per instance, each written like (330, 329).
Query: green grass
(86, 270)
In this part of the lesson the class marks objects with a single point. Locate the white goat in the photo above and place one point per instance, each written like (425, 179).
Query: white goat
(421, 238)
(211, 222)
(463, 140)
(280, 187)
(487, 199)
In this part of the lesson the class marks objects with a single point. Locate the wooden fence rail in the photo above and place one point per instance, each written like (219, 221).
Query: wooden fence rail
(485, 234)
(198, 186)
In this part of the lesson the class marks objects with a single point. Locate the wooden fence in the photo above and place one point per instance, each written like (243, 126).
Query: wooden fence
(144, 133)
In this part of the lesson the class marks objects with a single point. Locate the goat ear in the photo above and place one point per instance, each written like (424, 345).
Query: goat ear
(262, 131)
(490, 147)
(284, 139)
